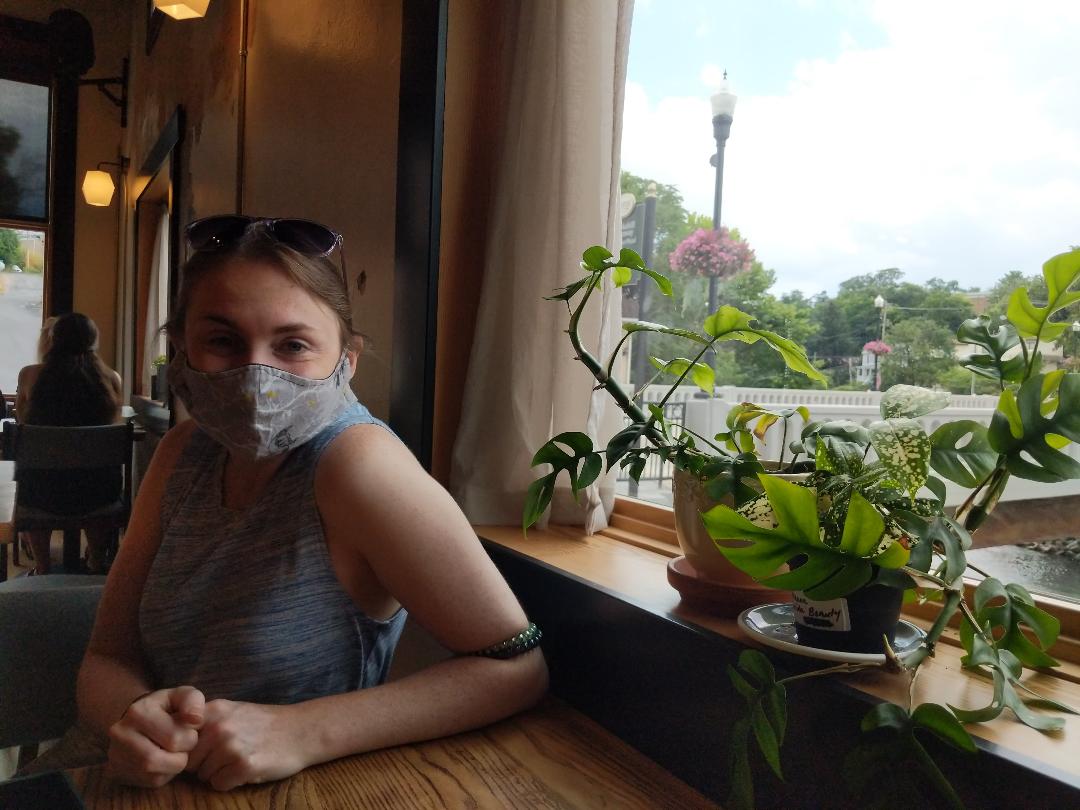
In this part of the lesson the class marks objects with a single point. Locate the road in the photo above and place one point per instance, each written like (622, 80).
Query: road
(20, 324)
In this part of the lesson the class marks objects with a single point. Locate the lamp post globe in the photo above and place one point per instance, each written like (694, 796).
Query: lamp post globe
(723, 113)
(882, 304)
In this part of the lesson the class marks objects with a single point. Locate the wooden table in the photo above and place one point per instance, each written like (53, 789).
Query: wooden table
(549, 757)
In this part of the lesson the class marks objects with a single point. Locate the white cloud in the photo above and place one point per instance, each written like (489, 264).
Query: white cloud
(952, 151)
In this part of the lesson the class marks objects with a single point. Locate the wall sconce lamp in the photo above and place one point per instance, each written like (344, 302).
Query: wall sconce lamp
(182, 9)
(121, 100)
(98, 185)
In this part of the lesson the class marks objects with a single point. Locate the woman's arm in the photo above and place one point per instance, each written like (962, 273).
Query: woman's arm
(375, 497)
(112, 674)
(25, 382)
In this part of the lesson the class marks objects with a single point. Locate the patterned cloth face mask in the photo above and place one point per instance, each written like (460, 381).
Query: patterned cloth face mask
(260, 411)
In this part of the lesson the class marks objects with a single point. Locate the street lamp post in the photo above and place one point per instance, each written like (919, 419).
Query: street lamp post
(1075, 329)
(883, 305)
(723, 112)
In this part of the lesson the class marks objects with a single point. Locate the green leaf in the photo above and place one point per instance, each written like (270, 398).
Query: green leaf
(962, 453)
(569, 291)
(862, 528)
(766, 738)
(886, 715)
(775, 704)
(645, 326)
(742, 686)
(621, 276)
(661, 281)
(846, 441)
(1013, 608)
(1040, 722)
(996, 343)
(537, 499)
(729, 323)
(1022, 431)
(753, 662)
(1061, 272)
(622, 441)
(911, 402)
(944, 724)
(590, 470)
(595, 258)
(827, 573)
(741, 795)
(630, 258)
(702, 375)
(953, 540)
(904, 448)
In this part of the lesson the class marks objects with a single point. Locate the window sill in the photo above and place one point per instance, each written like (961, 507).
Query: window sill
(637, 576)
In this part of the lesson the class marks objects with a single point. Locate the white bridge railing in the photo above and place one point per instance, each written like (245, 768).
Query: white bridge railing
(706, 417)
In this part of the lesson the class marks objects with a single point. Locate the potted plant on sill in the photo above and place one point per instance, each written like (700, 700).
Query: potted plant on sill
(158, 382)
(706, 473)
(861, 521)
(1002, 631)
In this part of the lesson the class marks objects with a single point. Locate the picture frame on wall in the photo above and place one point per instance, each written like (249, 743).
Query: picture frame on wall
(154, 19)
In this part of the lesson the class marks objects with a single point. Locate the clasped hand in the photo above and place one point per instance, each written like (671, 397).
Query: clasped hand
(224, 742)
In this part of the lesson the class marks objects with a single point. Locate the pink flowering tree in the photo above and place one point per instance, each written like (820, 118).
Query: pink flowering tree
(711, 254)
(877, 348)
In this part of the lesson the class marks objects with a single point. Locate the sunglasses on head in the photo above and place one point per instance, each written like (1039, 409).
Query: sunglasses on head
(302, 235)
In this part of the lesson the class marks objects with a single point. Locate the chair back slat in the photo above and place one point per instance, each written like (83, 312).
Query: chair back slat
(41, 447)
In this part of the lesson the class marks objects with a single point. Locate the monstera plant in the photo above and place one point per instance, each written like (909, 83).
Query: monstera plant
(871, 512)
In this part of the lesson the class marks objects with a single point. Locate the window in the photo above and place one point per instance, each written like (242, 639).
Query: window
(884, 179)
(22, 265)
(24, 150)
(24, 157)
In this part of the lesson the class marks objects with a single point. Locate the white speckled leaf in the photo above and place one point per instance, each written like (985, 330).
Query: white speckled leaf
(904, 449)
(911, 402)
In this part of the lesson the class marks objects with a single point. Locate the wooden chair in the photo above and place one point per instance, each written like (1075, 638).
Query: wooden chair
(39, 447)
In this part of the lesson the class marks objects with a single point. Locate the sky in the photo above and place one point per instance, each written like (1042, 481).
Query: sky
(942, 138)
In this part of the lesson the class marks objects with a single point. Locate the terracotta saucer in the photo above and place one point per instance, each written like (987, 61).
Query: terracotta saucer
(719, 598)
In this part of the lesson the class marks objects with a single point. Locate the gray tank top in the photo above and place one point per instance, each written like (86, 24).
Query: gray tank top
(244, 604)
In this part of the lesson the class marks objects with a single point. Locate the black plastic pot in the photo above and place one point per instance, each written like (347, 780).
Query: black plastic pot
(856, 623)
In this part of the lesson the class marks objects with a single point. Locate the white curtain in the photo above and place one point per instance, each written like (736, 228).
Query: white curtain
(556, 193)
(157, 299)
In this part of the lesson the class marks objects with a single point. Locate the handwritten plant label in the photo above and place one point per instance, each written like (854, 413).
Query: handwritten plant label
(830, 615)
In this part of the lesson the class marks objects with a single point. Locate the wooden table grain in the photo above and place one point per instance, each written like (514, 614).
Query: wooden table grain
(549, 757)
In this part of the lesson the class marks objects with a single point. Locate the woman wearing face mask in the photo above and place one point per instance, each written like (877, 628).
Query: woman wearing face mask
(277, 538)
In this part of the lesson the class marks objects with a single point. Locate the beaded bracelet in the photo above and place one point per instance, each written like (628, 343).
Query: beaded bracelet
(513, 646)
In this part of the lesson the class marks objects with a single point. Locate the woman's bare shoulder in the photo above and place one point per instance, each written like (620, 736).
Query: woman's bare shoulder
(173, 443)
(27, 375)
(359, 457)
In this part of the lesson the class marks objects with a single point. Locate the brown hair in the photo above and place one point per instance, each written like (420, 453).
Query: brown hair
(318, 275)
(74, 386)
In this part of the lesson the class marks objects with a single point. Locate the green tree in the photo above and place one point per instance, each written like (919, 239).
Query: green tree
(922, 353)
(10, 252)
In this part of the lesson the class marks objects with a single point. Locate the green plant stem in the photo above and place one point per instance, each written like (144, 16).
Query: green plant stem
(615, 354)
(931, 769)
(694, 433)
(682, 376)
(783, 445)
(593, 365)
(839, 668)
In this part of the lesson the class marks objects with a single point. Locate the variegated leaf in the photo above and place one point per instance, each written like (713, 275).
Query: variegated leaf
(904, 449)
(911, 402)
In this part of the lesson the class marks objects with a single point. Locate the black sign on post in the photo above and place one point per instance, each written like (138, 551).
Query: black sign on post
(633, 230)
